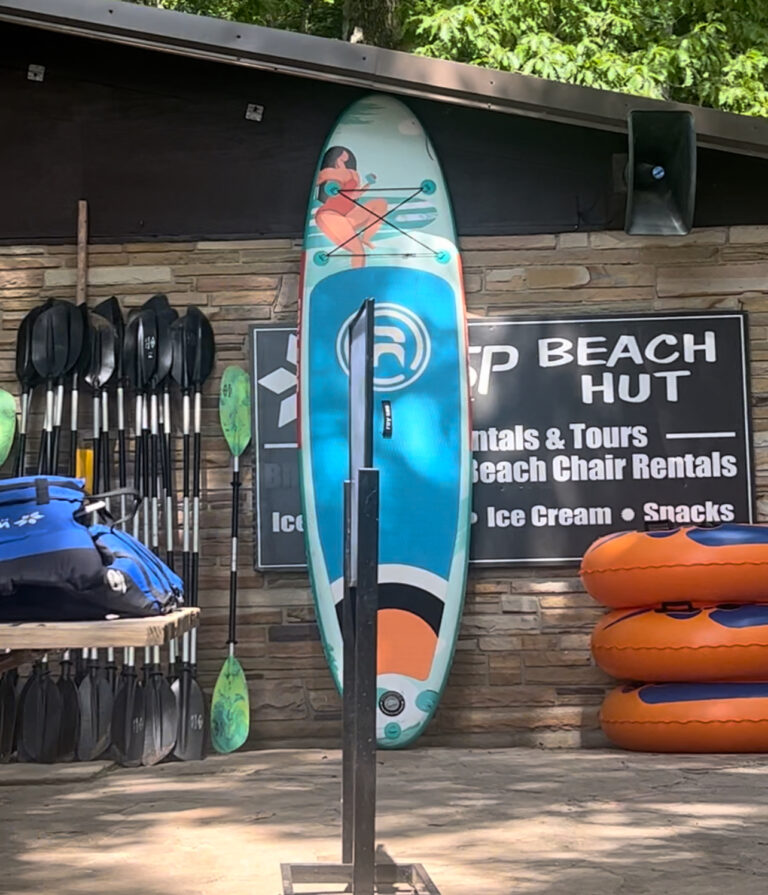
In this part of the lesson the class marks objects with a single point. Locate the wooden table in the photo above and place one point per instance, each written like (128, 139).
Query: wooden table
(22, 641)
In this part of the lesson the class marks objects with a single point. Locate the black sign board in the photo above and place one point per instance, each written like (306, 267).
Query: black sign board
(278, 526)
(581, 426)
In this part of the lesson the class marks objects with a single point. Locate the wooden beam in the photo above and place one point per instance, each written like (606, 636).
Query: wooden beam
(82, 251)
(154, 631)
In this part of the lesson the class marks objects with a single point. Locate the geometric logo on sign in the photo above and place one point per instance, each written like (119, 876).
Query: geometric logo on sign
(280, 381)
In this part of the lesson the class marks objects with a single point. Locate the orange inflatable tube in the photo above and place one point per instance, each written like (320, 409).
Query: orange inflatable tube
(726, 642)
(701, 717)
(690, 564)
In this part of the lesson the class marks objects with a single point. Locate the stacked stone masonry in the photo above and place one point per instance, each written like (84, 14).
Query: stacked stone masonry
(523, 673)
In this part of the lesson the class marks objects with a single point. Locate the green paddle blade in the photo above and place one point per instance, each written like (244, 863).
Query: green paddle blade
(235, 409)
(7, 423)
(230, 712)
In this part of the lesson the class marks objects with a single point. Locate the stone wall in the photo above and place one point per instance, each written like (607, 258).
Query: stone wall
(523, 673)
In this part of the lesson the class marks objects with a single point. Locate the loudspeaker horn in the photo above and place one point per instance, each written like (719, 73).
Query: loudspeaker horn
(661, 173)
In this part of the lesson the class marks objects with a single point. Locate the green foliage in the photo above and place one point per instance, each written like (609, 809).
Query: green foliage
(706, 52)
(319, 17)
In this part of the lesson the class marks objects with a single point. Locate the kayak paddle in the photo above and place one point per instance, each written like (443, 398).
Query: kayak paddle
(230, 712)
(193, 353)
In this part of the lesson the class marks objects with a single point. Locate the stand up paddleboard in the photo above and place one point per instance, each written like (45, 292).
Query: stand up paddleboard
(380, 226)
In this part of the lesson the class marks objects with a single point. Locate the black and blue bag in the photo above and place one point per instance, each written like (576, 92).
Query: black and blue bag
(55, 566)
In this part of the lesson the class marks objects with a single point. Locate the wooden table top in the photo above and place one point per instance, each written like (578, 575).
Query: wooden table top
(155, 630)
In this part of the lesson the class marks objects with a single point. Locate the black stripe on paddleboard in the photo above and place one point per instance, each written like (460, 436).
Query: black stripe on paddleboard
(420, 602)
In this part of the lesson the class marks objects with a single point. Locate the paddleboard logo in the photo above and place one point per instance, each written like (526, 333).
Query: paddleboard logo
(401, 347)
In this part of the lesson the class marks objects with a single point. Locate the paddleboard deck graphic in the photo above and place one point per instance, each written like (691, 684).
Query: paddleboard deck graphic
(380, 226)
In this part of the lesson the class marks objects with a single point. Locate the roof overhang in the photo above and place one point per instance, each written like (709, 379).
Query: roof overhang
(372, 68)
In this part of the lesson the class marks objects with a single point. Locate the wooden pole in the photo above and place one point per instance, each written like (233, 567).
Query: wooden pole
(82, 250)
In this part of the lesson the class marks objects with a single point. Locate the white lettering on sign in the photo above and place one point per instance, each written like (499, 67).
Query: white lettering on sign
(570, 468)
(521, 471)
(686, 514)
(287, 523)
(610, 437)
(591, 350)
(518, 438)
(493, 359)
(551, 516)
(502, 518)
(685, 466)
(630, 389)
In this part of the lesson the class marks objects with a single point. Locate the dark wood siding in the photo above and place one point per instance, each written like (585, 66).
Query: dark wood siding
(160, 146)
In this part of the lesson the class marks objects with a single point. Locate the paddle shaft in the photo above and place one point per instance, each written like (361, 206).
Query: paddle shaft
(26, 395)
(44, 460)
(138, 464)
(96, 442)
(74, 407)
(122, 466)
(106, 475)
(58, 415)
(233, 565)
(196, 455)
(167, 454)
(145, 446)
(195, 564)
(154, 447)
(186, 486)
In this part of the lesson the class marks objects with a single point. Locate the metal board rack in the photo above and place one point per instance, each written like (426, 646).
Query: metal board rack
(359, 870)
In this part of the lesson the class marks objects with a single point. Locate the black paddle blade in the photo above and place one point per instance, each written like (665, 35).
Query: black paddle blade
(75, 334)
(193, 349)
(161, 719)
(50, 341)
(128, 716)
(96, 701)
(81, 667)
(110, 310)
(40, 719)
(25, 369)
(7, 715)
(110, 674)
(140, 349)
(70, 715)
(190, 737)
(22, 688)
(84, 360)
(165, 315)
(204, 343)
(101, 340)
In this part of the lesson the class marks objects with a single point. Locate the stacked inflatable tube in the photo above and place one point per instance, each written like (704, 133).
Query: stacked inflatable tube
(687, 616)
(716, 717)
(701, 566)
(729, 642)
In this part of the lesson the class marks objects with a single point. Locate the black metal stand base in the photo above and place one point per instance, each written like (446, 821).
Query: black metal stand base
(394, 879)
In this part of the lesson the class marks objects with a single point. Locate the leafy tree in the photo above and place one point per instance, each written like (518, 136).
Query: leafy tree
(706, 52)
(319, 17)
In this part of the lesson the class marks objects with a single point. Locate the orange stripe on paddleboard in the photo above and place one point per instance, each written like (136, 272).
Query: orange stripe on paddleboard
(406, 644)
